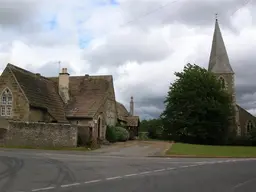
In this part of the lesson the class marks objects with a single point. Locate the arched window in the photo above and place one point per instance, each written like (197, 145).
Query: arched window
(249, 126)
(6, 103)
(222, 82)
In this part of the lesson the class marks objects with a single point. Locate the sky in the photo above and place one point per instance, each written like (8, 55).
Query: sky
(140, 42)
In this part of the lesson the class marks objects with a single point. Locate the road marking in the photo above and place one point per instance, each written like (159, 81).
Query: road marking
(195, 164)
(184, 166)
(145, 172)
(93, 181)
(159, 170)
(113, 178)
(170, 168)
(43, 189)
(70, 185)
(130, 175)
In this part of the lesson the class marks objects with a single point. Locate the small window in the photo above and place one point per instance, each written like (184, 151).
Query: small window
(8, 111)
(9, 100)
(4, 100)
(249, 126)
(2, 111)
(222, 82)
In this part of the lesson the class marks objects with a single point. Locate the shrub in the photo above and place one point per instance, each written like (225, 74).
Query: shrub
(111, 134)
(143, 135)
(122, 134)
(114, 134)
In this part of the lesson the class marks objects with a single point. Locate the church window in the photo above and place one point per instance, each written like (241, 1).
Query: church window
(249, 126)
(6, 103)
(222, 82)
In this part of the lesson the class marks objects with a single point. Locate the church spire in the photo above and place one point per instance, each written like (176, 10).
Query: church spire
(219, 61)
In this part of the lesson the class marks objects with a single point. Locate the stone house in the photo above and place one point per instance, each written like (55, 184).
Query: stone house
(128, 119)
(219, 64)
(82, 100)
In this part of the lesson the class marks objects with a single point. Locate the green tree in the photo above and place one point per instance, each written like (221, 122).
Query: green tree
(197, 108)
(154, 127)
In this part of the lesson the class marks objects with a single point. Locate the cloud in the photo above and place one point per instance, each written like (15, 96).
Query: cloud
(19, 15)
(141, 50)
(156, 13)
(125, 47)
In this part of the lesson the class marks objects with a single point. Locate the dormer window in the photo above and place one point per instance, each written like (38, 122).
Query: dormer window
(6, 103)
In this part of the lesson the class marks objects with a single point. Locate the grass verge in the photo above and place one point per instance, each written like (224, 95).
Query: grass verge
(181, 149)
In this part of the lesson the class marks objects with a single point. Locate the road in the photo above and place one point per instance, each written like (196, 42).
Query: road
(48, 171)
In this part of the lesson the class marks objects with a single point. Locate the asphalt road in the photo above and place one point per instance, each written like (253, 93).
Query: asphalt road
(41, 171)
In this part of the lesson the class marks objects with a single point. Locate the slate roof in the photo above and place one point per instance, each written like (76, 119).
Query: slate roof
(122, 112)
(219, 61)
(87, 94)
(40, 92)
(123, 115)
(132, 121)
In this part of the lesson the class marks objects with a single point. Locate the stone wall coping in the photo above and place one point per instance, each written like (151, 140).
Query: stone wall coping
(42, 123)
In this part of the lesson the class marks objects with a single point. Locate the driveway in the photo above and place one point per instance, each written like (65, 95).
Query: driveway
(133, 149)
(49, 171)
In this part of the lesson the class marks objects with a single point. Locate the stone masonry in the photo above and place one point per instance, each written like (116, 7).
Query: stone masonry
(24, 134)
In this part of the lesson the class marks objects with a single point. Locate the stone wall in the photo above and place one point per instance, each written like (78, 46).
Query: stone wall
(110, 112)
(41, 135)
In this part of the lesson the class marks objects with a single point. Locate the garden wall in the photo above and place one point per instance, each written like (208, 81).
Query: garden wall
(30, 134)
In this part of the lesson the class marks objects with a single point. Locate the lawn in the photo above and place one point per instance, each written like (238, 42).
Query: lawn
(211, 151)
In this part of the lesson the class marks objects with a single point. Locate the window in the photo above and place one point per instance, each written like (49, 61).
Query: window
(249, 126)
(222, 82)
(6, 103)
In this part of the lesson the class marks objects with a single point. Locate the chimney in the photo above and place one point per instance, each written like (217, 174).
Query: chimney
(131, 106)
(64, 85)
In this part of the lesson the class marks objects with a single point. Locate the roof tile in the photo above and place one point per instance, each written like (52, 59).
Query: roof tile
(40, 92)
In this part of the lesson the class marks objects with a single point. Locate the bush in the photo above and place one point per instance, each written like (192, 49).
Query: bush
(122, 134)
(242, 141)
(110, 134)
(143, 135)
(115, 134)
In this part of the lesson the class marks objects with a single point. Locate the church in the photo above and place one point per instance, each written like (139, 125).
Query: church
(219, 65)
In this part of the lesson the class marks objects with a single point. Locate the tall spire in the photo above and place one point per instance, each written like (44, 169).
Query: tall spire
(219, 61)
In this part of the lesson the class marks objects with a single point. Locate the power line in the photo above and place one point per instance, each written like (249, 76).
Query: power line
(243, 5)
(140, 17)
(158, 9)
(149, 13)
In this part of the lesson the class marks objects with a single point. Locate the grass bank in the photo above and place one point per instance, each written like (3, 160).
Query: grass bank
(181, 149)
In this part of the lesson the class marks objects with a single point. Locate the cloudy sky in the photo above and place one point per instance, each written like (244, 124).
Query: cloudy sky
(140, 42)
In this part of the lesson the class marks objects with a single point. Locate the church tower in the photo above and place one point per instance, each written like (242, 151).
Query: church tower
(219, 64)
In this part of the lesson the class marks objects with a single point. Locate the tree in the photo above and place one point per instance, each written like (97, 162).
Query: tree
(154, 127)
(197, 108)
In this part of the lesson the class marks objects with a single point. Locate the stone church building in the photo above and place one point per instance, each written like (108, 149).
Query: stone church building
(219, 64)
(82, 100)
